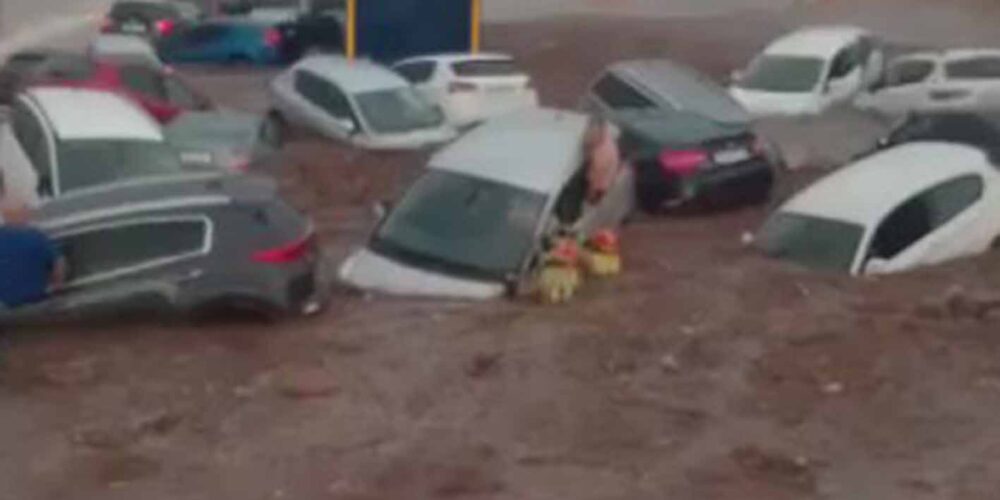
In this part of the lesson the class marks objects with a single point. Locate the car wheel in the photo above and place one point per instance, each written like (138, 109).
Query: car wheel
(274, 130)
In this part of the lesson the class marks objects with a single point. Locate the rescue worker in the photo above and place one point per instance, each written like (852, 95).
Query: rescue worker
(603, 158)
(29, 260)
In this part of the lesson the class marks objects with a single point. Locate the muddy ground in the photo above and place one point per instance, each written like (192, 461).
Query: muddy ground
(704, 372)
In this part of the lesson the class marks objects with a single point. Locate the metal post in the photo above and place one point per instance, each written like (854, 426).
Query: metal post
(477, 25)
(351, 33)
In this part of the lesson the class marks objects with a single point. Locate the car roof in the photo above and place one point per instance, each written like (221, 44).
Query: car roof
(353, 76)
(453, 57)
(181, 193)
(820, 41)
(867, 190)
(534, 149)
(682, 88)
(71, 113)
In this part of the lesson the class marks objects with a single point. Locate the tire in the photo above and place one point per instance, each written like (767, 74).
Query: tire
(274, 130)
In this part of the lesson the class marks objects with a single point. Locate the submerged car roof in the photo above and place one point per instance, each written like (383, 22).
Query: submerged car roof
(353, 76)
(534, 149)
(682, 88)
(180, 192)
(819, 41)
(72, 114)
(867, 190)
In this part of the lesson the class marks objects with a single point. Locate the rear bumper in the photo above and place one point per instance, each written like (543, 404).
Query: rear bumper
(744, 182)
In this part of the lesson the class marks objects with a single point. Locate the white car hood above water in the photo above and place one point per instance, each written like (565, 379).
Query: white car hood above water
(762, 103)
(367, 270)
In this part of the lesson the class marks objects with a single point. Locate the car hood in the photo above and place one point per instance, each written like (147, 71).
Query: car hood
(368, 270)
(763, 103)
(415, 139)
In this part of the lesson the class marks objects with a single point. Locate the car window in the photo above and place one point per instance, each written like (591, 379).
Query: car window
(205, 34)
(416, 72)
(569, 205)
(67, 67)
(179, 94)
(926, 212)
(811, 241)
(486, 67)
(143, 80)
(846, 61)
(976, 68)
(146, 10)
(961, 128)
(30, 134)
(777, 73)
(908, 72)
(323, 94)
(616, 94)
(397, 110)
(86, 163)
(112, 250)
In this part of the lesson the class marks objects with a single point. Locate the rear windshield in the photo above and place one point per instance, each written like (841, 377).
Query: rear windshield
(616, 94)
(772, 73)
(978, 68)
(67, 67)
(24, 61)
(85, 163)
(486, 67)
(811, 241)
(397, 111)
(147, 10)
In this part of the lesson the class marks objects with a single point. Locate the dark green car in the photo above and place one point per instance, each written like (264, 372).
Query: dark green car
(687, 139)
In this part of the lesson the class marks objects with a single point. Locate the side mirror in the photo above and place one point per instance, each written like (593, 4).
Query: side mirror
(347, 125)
(736, 76)
(381, 209)
(883, 143)
(876, 266)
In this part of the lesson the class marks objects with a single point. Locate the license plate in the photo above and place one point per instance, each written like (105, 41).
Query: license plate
(196, 157)
(134, 27)
(730, 156)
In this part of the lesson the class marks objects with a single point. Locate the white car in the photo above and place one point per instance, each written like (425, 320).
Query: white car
(53, 145)
(809, 71)
(470, 88)
(359, 102)
(123, 49)
(473, 226)
(953, 80)
(916, 204)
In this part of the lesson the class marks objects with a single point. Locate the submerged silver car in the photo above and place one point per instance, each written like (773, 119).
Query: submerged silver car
(475, 224)
(357, 102)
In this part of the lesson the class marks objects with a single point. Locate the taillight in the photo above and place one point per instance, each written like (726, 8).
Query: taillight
(683, 162)
(457, 87)
(165, 27)
(272, 38)
(107, 24)
(292, 252)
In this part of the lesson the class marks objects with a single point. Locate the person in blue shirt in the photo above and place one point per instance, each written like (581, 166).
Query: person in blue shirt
(29, 261)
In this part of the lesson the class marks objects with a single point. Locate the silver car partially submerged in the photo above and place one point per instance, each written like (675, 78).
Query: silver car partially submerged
(474, 226)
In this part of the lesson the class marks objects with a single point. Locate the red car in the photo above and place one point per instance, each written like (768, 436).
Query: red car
(161, 92)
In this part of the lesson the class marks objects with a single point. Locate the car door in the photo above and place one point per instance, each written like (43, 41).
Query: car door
(133, 262)
(905, 88)
(939, 224)
(324, 107)
(969, 83)
(845, 76)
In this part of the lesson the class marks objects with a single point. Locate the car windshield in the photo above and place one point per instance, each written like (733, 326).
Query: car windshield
(212, 132)
(462, 225)
(85, 163)
(811, 241)
(783, 74)
(397, 110)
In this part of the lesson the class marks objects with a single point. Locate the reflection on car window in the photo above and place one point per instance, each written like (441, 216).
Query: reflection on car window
(462, 224)
(93, 253)
(397, 110)
(977, 68)
(928, 211)
(486, 67)
(323, 94)
(616, 94)
(783, 74)
(87, 163)
(908, 73)
(811, 241)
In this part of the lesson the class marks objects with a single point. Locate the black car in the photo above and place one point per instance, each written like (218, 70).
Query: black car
(981, 130)
(146, 18)
(185, 244)
(36, 66)
(687, 139)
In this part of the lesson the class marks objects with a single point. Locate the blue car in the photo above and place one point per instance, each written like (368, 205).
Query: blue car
(225, 41)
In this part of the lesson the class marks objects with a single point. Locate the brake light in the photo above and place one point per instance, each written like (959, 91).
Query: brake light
(165, 27)
(458, 87)
(683, 162)
(272, 38)
(107, 24)
(292, 252)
